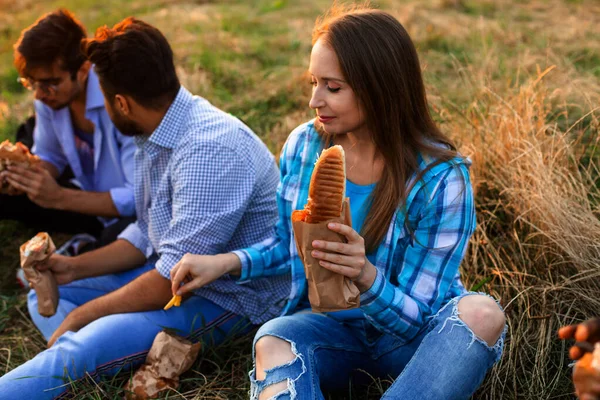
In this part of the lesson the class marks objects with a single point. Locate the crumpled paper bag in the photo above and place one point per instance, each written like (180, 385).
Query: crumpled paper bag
(327, 290)
(169, 357)
(33, 252)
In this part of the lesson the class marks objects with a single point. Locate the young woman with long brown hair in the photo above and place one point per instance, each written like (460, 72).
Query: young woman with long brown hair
(412, 212)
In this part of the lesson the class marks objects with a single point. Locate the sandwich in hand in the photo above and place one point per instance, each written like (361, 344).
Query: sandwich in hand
(327, 290)
(33, 252)
(14, 154)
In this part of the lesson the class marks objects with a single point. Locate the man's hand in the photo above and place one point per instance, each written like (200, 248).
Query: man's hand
(63, 268)
(73, 322)
(587, 332)
(37, 183)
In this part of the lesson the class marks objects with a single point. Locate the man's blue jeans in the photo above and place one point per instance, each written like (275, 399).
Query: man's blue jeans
(111, 344)
(445, 361)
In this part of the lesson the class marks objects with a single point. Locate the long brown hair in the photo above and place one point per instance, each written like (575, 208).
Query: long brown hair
(380, 63)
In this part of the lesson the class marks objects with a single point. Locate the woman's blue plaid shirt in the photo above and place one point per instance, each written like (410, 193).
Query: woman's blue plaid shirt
(417, 267)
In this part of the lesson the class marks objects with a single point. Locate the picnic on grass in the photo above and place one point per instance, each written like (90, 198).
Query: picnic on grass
(341, 258)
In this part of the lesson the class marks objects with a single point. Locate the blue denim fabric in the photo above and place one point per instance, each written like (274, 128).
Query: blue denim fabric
(111, 344)
(445, 361)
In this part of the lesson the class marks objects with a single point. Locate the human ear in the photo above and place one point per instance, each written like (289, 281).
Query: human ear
(122, 104)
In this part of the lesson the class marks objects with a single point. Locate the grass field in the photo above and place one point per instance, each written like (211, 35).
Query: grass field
(515, 83)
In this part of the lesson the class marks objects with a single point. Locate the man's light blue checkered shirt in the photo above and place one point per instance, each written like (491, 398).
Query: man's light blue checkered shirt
(417, 269)
(205, 184)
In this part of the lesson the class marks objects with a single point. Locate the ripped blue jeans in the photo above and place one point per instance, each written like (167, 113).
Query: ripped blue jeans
(445, 361)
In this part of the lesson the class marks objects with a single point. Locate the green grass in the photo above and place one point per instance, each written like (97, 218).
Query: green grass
(249, 58)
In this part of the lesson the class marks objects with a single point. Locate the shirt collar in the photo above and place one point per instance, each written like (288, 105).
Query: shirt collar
(167, 133)
(94, 97)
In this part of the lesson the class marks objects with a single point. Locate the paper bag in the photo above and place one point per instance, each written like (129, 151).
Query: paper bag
(327, 290)
(169, 357)
(33, 252)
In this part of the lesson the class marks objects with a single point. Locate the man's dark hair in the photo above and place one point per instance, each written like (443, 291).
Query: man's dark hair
(55, 36)
(134, 58)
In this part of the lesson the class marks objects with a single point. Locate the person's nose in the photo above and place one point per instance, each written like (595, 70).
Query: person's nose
(39, 94)
(317, 100)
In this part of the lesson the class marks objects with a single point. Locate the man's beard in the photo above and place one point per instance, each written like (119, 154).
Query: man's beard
(126, 126)
(58, 106)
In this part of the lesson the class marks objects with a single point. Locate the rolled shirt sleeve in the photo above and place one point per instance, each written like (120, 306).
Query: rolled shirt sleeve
(134, 235)
(124, 201)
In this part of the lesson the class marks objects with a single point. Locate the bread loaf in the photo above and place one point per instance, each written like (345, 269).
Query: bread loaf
(327, 188)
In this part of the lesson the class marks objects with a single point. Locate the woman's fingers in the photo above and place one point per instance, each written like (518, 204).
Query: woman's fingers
(174, 270)
(335, 247)
(194, 284)
(345, 230)
(178, 275)
(340, 259)
(351, 273)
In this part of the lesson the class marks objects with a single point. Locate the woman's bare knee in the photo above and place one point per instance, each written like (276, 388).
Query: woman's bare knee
(270, 353)
(483, 316)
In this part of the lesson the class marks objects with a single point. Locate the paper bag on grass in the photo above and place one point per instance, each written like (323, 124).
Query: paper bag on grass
(33, 252)
(169, 357)
(327, 290)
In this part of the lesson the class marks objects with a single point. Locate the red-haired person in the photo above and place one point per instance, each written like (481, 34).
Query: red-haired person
(72, 131)
(413, 214)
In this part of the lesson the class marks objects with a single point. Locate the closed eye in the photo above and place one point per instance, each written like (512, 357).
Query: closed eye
(332, 90)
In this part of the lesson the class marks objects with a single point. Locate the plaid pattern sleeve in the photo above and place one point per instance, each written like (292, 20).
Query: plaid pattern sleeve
(416, 273)
(428, 264)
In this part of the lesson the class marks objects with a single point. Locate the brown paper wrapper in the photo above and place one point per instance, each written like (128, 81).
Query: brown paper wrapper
(327, 290)
(44, 282)
(169, 357)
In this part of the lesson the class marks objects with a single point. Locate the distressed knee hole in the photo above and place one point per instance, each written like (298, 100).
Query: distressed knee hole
(271, 351)
(278, 366)
(483, 316)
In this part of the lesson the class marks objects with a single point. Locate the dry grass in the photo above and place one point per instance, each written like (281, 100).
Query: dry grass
(515, 83)
(538, 234)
